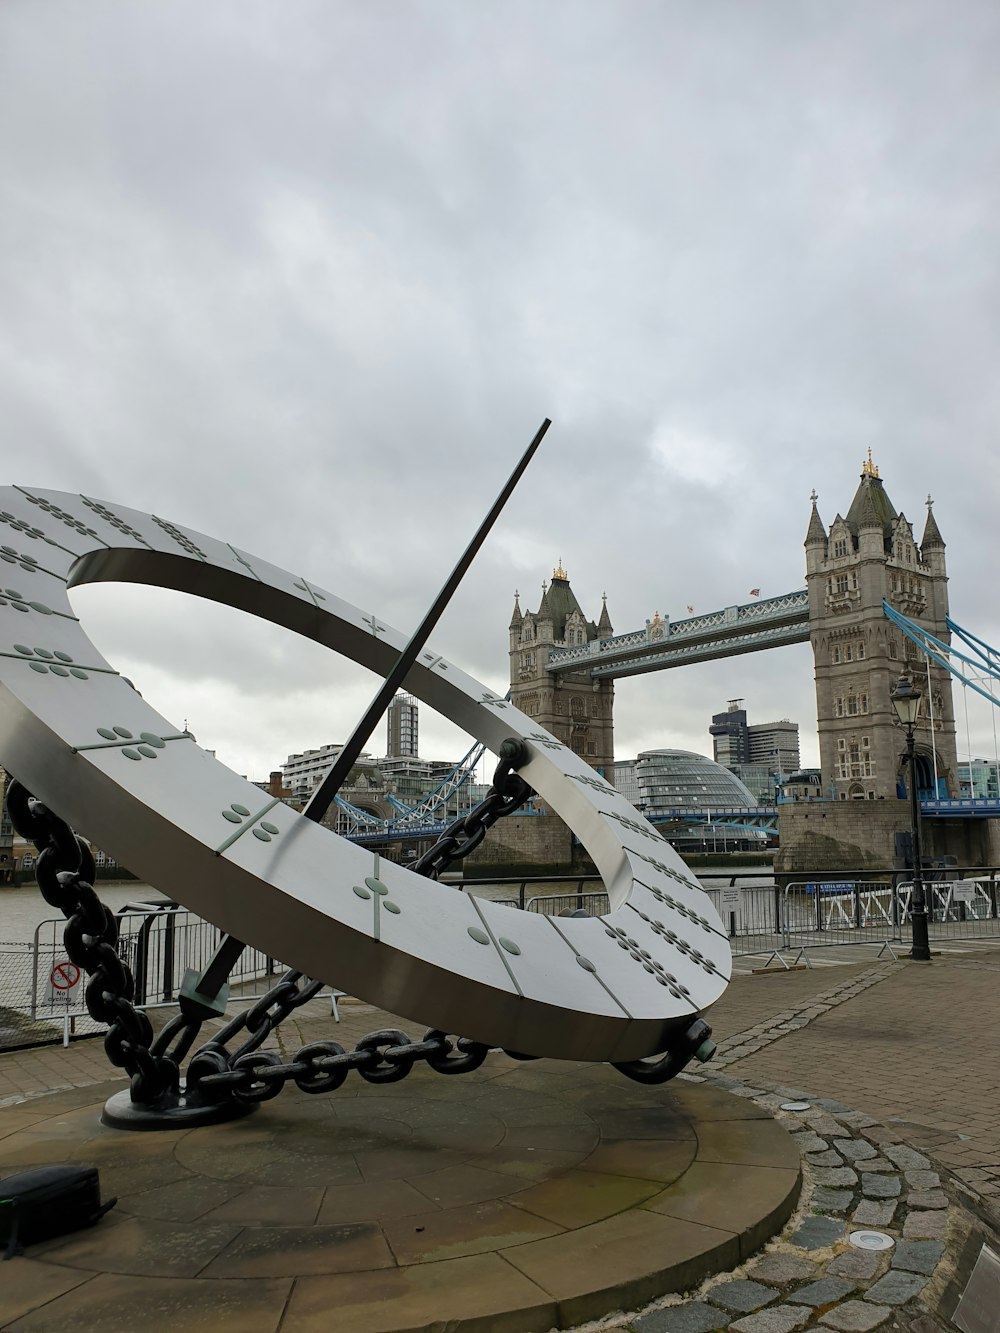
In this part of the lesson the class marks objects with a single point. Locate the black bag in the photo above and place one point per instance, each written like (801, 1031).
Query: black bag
(48, 1201)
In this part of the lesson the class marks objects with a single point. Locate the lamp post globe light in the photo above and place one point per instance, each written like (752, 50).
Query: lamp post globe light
(905, 699)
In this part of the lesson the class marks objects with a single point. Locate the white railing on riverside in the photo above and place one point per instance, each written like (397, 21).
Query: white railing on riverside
(954, 903)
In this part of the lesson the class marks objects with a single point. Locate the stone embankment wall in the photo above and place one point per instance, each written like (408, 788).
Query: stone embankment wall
(855, 835)
(542, 842)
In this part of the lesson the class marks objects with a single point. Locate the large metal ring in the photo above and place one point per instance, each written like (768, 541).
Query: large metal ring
(88, 745)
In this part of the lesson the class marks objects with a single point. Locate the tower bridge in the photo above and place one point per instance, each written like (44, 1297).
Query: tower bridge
(563, 665)
(769, 623)
(875, 597)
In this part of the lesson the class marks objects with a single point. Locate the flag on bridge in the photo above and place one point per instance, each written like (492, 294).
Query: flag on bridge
(690, 610)
(754, 592)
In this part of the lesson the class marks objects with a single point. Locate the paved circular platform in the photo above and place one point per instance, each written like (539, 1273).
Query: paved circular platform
(519, 1198)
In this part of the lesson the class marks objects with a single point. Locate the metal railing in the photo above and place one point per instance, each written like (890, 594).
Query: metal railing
(42, 993)
(594, 903)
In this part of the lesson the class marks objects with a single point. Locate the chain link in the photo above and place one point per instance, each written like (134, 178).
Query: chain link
(507, 794)
(322, 1066)
(64, 873)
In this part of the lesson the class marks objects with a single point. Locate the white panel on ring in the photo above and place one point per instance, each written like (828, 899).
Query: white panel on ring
(79, 737)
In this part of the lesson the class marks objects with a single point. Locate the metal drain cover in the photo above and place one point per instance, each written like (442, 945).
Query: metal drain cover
(796, 1106)
(871, 1240)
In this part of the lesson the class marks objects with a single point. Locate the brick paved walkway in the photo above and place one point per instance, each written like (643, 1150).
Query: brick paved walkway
(921, 1049)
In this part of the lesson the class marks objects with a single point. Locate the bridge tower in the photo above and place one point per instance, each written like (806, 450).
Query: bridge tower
(574, 706)
(867, 556)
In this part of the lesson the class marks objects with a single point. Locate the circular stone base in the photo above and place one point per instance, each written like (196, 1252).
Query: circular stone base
(516, 1198)
(171, 1111)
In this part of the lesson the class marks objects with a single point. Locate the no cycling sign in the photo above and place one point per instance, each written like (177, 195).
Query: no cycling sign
(63, 981)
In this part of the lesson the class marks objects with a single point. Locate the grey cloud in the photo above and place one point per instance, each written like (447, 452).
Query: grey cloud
(307, 277)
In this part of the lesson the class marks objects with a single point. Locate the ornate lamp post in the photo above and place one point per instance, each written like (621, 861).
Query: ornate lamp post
(905, 698)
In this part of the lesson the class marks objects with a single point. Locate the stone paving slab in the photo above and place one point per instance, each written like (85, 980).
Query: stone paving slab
(385, 1207)
(161, 1305)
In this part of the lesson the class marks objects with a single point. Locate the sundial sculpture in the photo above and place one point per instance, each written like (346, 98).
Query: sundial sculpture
(78, 737)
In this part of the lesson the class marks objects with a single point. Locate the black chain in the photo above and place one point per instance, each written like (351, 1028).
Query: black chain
(507, 794)
(322, 1066)
(65, 873)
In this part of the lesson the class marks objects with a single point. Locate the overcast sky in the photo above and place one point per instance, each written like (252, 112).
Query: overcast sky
(308, 276)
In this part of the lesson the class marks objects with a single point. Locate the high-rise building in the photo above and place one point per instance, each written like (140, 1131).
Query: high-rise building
(775, 743)
(730, 738)
(761, 754)
(865, 558)
(403, 723)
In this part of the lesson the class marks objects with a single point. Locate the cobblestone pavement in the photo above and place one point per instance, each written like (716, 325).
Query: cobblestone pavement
(900, 1064)
(916, 1046)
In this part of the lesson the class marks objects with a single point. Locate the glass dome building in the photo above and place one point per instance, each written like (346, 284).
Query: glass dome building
(669, 784)
(670, 780)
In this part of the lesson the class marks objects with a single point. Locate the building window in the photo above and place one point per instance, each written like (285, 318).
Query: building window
(528, 661)
(840, 547)
(841, 582)
(848, 652)
(576, 708)
(893, 651)
(836, 655)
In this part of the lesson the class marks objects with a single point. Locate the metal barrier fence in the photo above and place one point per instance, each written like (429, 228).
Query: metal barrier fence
(40, 986)
(957, 909)
(820, 914)
(870, 911)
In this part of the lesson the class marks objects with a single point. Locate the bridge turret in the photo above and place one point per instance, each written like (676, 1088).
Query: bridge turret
(574, 705)
(932, 543)
(815, 542)
(870, 557)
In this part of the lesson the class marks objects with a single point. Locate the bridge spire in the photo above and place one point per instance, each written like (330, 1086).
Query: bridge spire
(932, 533)
(816, 531)
(868, 468)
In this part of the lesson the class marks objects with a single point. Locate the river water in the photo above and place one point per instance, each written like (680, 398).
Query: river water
(23, 907)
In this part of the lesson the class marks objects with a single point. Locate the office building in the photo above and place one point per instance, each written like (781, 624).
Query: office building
(402, 741)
